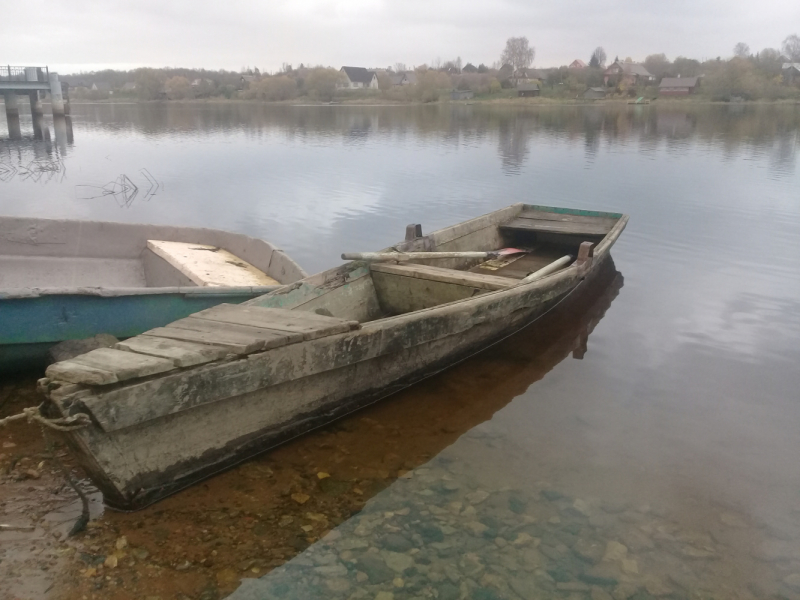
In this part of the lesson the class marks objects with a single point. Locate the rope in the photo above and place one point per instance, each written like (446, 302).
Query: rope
(33, 414)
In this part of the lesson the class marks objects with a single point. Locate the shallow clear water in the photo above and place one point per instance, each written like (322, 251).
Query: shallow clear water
(676, 436)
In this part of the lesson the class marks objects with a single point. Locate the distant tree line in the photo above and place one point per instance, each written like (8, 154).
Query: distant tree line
(746, 75)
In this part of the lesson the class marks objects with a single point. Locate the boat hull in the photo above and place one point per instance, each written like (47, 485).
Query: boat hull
(66, 279)
(153, 435)
(219, 434)
(29, 327)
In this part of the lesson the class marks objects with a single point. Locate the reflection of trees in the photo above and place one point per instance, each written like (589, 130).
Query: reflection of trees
(513, 135)
(731, 128)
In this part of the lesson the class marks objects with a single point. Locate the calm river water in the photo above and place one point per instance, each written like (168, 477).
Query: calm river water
(665, 463)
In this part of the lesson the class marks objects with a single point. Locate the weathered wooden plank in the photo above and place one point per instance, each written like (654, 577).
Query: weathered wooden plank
(242, 339)
(310, 325)
(544, 226)
(541, 215)
(124, 365)
(474, 280)
(399, 294)
(182, 354)
(73, 372)
(345, 292)
(209, 265)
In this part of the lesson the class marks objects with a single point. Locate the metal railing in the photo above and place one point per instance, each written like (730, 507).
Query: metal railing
(28, 74)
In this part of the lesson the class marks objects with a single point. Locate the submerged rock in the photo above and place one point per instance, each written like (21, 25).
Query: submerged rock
(375, 568)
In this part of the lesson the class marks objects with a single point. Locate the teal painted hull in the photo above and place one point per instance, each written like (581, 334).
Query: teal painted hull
(30, 326)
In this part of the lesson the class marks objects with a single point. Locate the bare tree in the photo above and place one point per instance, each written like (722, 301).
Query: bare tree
(598, 58)
(791, 47)
(741, 50)
(518, 53)
(400, 67)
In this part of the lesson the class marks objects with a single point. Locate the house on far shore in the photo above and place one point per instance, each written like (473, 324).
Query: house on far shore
(594, 93)
(528, 90)
(359, 78)
(469, 68)
(577, 64)
(505, 75)
(128, 86)
(678, 86)
(403, 78)
(791, 73)
(461, 94)
(102, 86)
(630, 73)
(527, 75)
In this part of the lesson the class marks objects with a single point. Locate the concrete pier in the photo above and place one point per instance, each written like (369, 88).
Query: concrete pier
(36, 103)
(31, 81)
(12, 104)
(12, 115)
(56, 95)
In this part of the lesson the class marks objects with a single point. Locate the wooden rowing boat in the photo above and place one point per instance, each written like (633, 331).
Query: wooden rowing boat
(182, 402)
(68, 280)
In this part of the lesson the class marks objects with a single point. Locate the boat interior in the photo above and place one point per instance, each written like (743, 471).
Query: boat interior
(55, 254)
(369, 291)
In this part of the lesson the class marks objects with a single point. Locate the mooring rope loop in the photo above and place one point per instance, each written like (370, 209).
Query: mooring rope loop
(33, 414)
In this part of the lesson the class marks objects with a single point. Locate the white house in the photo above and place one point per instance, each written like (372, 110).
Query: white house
(358, 78)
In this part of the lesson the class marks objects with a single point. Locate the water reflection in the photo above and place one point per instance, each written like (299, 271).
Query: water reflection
(406, 520)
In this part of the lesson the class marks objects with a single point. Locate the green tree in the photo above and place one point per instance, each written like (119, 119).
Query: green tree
(177, 88)
(321, 83)
(657, 64)
(149, 84)
(685, 67)
(518, 53)
(272, 89)
(741, 50)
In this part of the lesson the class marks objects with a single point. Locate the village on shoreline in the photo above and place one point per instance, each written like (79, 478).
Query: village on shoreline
(770, 75)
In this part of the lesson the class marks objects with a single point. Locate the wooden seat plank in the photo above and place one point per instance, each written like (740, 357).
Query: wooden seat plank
(92, 368)
(309, 325)
(182, 354)
(209, 265)
(238, 339)
(548, 226)
(466, 278)
(73, 372)
(540, 215)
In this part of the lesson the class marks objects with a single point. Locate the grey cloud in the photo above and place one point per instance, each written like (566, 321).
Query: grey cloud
(91, 33)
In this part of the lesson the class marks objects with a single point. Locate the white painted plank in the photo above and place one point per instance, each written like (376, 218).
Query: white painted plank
(209, 265)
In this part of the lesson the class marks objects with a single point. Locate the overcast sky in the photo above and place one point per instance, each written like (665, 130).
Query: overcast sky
(89, 34)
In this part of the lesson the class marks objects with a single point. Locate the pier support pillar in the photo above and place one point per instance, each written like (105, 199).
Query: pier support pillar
(12, 105)
(62, 131)
(12, 114)
(36, 103)
(56, 96)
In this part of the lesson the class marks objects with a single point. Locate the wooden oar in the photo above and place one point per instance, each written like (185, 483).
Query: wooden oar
(404, 256)
(551, 268)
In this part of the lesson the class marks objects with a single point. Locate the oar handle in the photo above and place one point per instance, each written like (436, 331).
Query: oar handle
(405, 256)
(551, 268)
